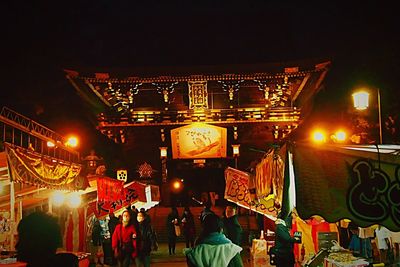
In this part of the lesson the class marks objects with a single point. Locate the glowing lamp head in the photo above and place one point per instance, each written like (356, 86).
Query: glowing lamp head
(72, 142)
(58, 198)
(176, 185)
(50, 144)
(360, 100)
(318, 136)
(74, 200)
(340, 136)
(163, 152)
(235, 150)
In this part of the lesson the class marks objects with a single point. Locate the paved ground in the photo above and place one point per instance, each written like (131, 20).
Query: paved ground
(162, 257)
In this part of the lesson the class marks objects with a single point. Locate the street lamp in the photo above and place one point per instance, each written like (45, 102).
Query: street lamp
(361, 99)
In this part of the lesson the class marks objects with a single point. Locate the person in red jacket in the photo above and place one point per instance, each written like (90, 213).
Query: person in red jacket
(124, 241)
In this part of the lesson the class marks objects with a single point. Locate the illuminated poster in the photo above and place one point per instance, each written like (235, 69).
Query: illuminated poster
(198, 140)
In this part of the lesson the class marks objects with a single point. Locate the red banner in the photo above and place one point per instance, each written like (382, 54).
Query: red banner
(109, 189)
(133, 193)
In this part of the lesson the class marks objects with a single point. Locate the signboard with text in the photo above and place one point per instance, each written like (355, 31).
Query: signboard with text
(198, 140)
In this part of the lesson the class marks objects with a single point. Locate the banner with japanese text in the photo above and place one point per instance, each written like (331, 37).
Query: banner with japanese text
(109, 189)
(198, 140)
(132, 193)
(237, 191)
(357, 183)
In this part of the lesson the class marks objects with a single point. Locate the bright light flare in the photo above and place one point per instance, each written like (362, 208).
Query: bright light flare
(72, 141)
(340, 136)
(58, 198)
(74, 200)
(319, 136)
(177, 185)
(50, 144)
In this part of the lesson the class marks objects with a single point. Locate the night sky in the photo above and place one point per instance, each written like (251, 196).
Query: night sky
(41, 38)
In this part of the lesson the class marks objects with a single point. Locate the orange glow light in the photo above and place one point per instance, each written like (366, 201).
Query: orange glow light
(319, 136)
(72, 141)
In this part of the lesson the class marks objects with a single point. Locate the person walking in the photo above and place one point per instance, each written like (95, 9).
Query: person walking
(147, 240)
(172, 224)
(283, 249)
(188, 226)
(124, 241)
(232, 228)
(212, 248)
(97, 241)
(112, 224)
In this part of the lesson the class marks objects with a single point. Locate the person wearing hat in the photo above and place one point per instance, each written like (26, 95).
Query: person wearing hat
(124, 241)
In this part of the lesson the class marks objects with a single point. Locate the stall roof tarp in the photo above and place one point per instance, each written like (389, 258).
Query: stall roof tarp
(353, 182)
(32, 168)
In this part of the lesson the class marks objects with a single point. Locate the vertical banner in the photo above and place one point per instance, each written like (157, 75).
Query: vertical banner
(237, 191)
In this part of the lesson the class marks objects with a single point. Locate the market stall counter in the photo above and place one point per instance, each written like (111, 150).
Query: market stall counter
(83, 258)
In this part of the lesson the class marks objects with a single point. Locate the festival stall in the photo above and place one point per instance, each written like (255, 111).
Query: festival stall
(357, 183)
(28, 179)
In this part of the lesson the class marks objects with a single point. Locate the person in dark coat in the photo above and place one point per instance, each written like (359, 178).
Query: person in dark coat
(39, 236)
(189, 228)
(232, 228)
(112, 224)
(206, 211)
(283, 249)
(172, 221)
(147, 240)
(97, 241)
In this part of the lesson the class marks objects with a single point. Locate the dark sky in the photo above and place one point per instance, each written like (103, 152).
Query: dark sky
(41, 38)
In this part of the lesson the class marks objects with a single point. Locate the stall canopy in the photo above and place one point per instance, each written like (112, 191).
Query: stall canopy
(360, 183)
(28, 167)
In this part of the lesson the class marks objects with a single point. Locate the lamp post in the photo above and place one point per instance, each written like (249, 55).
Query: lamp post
(361, 99)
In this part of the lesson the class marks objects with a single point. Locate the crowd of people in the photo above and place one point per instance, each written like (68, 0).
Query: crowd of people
(218, 243)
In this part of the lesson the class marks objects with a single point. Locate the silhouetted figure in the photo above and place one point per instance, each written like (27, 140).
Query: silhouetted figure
(232, 228)
(97, 241)
(112, 224)
(39, 236)
(188, 226)
(206, 211)
(213, 248)
(172, 221)
(147, 240)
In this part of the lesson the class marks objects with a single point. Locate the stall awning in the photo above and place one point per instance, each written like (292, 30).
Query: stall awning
(360, 183)
(32, 168)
